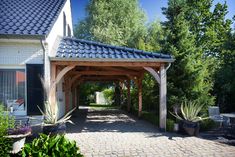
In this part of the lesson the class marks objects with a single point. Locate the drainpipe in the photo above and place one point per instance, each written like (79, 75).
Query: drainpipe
(43, 48)
(44, 55)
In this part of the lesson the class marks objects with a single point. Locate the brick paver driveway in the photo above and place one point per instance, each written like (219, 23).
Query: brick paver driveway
(113, 133)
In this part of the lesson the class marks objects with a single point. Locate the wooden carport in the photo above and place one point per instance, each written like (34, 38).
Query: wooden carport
(75, 64)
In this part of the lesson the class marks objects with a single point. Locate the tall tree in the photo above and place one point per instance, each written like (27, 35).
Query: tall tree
(224, 87)
(117, 22)
(189, 77)
(209, 25)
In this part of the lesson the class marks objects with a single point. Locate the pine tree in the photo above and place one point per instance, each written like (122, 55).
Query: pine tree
(189, 77)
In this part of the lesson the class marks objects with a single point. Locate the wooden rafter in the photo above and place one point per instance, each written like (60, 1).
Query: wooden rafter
(103, 73)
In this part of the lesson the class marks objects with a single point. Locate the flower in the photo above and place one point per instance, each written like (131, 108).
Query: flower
(19, 130)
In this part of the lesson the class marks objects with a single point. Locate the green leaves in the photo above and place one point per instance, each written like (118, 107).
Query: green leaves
(6, 121)
(190, 111)
(5, 146)
(51, 146)
(117, 22)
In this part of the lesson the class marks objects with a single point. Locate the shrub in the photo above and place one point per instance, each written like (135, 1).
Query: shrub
(6, 121)
(207, 124)
(170, 125)
(108, 95)
(151, 117)
(52, 146)
(5, 146)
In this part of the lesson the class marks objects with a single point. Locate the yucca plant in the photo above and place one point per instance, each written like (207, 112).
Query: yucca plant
(51, 107)
(190, 111)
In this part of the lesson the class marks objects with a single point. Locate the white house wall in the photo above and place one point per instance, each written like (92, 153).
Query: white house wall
(58, 29)
(20, 53)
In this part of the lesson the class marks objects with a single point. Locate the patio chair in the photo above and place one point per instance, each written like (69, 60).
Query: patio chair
(214, 114)
(230, 128)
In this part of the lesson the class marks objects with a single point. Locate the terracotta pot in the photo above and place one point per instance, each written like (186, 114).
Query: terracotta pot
(59, 128)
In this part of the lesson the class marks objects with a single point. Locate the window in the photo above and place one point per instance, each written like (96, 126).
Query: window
(12, 89)
(64, 23)
(69, 31)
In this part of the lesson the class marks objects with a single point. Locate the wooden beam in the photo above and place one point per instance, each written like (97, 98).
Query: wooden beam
(109, 63)
(163, 107)
(62, 73)
(104, 73)
(118, 69)
(128, 95)
(153, 73)
(140, 96)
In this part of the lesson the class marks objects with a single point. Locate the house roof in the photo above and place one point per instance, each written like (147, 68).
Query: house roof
(78, 49)
(28, 17)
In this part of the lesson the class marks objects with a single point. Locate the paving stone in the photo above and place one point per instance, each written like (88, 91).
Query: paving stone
(114, 133)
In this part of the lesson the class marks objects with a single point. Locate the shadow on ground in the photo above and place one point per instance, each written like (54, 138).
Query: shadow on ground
(112, 120)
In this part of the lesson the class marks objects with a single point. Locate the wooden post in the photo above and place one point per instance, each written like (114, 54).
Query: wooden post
(78, 96)
(73, 92)
(128, 95)
(52, 97)
(162, 89)
(75, 98)
(67, 91)
(140, 96)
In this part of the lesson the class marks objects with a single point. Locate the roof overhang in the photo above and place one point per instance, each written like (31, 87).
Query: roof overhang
(20, 36)
(160, 60)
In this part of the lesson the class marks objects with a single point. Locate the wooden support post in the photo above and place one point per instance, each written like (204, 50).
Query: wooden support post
(140, 96)
(78, 96)
(128, 95)
(75, 98)
(163, 107)
(67, 94)
(52, 97)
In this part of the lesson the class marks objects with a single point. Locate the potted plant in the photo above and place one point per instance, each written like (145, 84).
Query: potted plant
(18, 136)
(52, 124)
(190, 117)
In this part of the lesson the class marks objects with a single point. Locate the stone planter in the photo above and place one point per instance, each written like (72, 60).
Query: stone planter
(18, 142)
(55, 129)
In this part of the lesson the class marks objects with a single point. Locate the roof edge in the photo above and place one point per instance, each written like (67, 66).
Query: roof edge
(111, 60)
(21, 36)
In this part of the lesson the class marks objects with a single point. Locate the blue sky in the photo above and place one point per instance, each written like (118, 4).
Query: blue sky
(151, 7)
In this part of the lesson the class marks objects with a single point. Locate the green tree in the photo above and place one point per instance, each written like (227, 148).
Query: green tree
(152, 41)
(209, 25)
(190, 76)
(225, 76)
(117, 22)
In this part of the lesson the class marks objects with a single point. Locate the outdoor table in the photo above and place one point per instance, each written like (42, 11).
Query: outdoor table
(229, 115)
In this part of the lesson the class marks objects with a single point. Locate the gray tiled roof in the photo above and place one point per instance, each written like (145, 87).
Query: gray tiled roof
(83, 49)
(28, 17)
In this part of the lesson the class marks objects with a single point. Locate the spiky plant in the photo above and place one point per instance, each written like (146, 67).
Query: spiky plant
(50, 112)
(190, 111)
